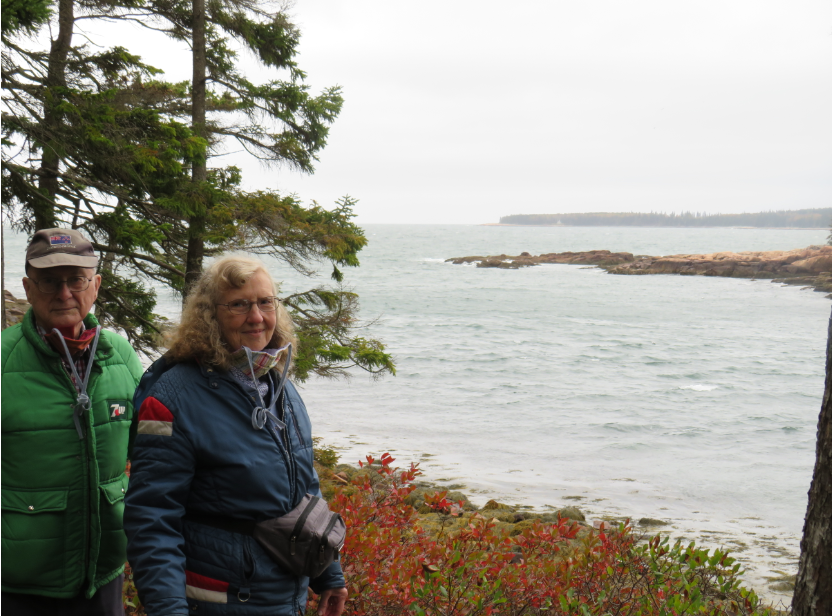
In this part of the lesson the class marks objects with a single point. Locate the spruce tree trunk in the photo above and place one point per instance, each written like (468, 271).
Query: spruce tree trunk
(44, 209)
(196, 224)
(813, 588)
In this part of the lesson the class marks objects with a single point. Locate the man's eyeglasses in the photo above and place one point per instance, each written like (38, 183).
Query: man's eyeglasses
(76, 284)
(243, 306)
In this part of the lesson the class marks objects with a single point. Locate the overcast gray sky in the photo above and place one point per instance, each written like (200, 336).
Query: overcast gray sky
(460, 111)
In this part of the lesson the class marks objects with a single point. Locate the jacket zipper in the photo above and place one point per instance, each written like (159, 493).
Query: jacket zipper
(85, 464)
(92, 497)
(286, 448)
(288, 418)
(87, 515)
(297, 427)
(281, 447)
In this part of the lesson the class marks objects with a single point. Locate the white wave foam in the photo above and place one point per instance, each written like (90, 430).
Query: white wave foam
(700, 387)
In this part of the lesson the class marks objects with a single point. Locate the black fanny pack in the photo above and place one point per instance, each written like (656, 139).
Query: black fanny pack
(304, 542)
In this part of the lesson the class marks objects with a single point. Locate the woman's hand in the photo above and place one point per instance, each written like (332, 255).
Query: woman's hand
(332, 602)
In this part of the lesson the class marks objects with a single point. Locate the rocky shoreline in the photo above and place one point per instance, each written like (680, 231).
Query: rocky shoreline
(15, 308)
(808, 267)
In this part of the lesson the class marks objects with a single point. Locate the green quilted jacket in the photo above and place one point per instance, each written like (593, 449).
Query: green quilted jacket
(63, 497)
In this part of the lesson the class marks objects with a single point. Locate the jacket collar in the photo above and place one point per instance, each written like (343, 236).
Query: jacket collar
(214, 375)
(30, 332)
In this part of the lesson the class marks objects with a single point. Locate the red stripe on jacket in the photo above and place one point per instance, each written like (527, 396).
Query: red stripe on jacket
(153, 410)
(206, 583)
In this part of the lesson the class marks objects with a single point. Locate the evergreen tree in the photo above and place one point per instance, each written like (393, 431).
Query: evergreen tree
(86, 143)
(96, 141)
(24, 15)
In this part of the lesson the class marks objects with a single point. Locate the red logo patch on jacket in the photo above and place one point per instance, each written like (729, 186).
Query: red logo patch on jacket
(155, 418)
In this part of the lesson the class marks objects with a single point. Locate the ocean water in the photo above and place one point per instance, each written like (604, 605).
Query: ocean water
(690, 400)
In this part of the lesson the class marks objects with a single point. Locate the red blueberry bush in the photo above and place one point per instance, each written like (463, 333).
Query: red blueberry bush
(394, 565)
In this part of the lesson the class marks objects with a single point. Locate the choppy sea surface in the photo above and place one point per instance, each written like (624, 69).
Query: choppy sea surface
(692, 400)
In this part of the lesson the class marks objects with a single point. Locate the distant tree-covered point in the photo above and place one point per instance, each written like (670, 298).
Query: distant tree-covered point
(806, 219)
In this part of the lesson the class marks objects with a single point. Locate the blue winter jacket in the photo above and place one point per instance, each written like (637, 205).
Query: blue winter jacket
(197, 452)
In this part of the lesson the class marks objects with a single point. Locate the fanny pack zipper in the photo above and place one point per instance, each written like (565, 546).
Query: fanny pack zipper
(301, 521)
(332, 521)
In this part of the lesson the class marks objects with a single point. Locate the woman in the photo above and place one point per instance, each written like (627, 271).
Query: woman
(209, 461)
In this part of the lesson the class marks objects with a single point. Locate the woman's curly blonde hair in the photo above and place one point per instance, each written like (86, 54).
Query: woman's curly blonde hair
(198, 336)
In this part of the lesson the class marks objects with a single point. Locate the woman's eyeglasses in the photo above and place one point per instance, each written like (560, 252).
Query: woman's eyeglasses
(243, 306)
(75, 284)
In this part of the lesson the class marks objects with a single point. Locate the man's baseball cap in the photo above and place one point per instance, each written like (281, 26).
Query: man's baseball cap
(56, 247)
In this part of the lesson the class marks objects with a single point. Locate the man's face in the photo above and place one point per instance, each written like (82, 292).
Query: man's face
(63, 309)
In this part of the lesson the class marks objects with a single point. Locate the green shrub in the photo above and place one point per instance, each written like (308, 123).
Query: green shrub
(324, 456)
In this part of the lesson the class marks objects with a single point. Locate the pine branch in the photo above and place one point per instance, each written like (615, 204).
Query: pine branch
(139, 257)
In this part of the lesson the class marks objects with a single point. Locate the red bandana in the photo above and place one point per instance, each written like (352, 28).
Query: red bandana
(74, 346)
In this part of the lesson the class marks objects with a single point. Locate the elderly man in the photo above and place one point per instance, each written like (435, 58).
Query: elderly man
(67, 422)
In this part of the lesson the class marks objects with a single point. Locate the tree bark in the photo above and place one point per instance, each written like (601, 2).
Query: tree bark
(813, 587)
(196, 224)
(44, 209)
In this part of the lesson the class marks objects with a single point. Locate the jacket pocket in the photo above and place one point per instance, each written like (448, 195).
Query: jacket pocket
(113, 547)
(34, 531)
(115, 489)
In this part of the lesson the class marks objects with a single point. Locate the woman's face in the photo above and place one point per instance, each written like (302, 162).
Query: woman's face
(254, 329)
